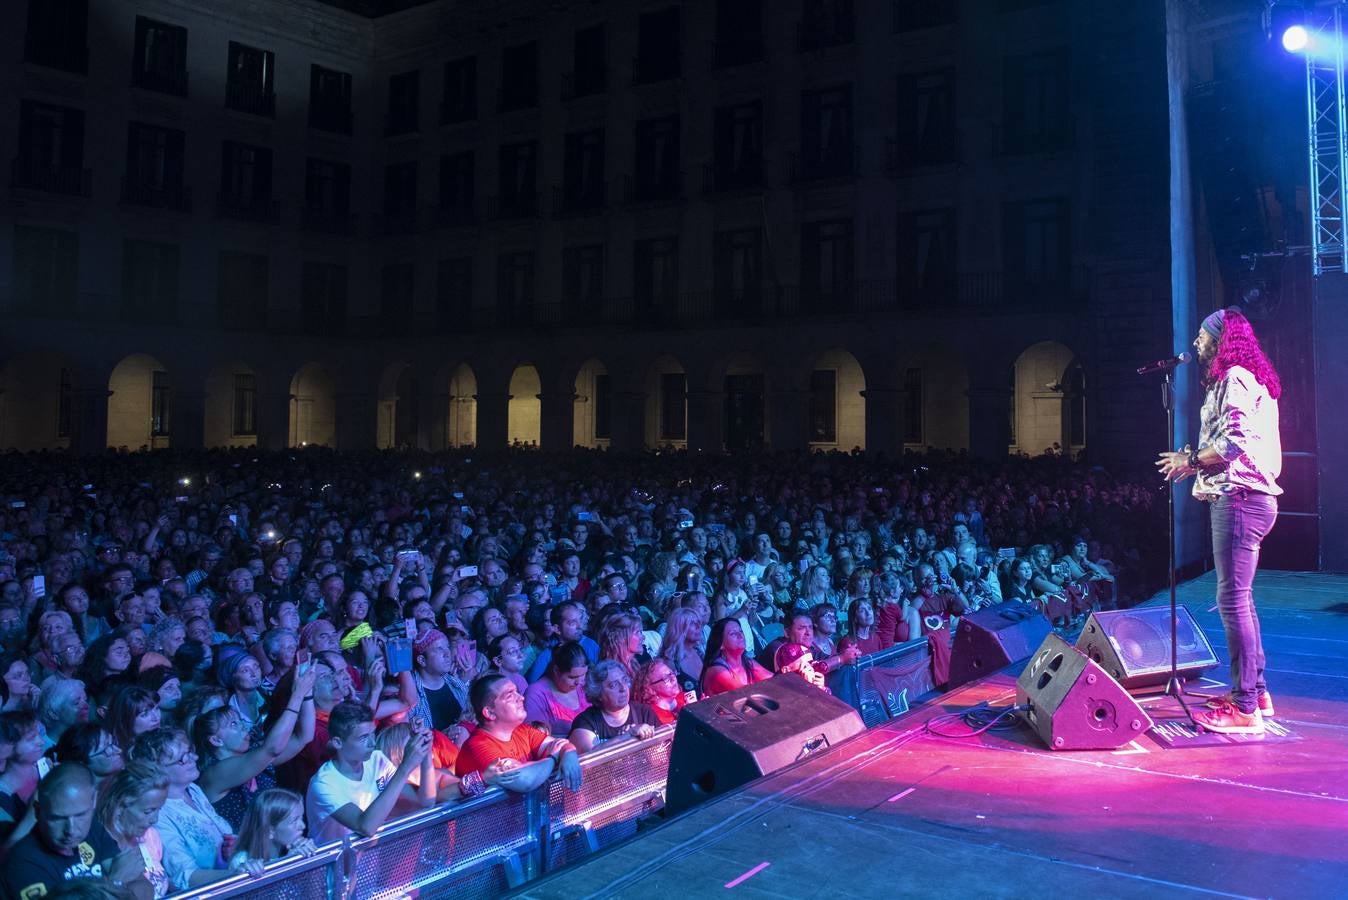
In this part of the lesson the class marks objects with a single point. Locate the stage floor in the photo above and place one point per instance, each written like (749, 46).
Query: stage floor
(901, 812)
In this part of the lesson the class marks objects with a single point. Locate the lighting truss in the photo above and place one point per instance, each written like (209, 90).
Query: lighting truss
(1328, 121)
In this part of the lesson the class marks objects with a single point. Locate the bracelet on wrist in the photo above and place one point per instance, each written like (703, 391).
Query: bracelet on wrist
(1193, 461)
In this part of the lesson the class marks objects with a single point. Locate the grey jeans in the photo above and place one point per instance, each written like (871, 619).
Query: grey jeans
(1239, 523)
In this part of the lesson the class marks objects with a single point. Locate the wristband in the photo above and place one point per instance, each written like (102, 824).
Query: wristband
(1193, 461)
(472, 784)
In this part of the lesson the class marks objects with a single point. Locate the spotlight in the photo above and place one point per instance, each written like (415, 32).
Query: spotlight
(1286, 20)
(1295, 39)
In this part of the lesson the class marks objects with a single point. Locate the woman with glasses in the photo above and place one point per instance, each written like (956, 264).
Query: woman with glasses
(613, 715)
(196, 840)
(657, 685)
(94, 747)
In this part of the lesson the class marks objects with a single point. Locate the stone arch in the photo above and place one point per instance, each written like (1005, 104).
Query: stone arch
(397, 414)
(524, 422)
(456, 419)
(36, 401)
(1041, 407)
(666, 403)
(591, 418)
(231, 405)
(837, 402)
(313, 407)
(140, 404)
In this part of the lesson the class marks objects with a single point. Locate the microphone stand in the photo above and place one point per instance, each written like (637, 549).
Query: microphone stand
(1173, 687)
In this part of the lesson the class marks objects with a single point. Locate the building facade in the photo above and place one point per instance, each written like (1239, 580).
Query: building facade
(718, 224)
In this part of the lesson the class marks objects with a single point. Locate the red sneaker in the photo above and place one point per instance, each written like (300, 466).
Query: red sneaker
(1265, 703)
(1229, 720)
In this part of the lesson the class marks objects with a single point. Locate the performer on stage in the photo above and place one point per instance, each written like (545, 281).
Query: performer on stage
(1236, 468)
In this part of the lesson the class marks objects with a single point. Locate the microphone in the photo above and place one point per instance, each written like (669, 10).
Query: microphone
(1163, 365)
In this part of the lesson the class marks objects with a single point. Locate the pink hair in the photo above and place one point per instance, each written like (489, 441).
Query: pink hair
(1239, 347)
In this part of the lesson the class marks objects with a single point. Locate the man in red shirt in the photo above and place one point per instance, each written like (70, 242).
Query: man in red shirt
(503, 741)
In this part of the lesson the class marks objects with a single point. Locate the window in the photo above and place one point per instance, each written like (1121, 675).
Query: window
(739, 32)
(241, 299)
(46, 270)
(583, 171)
(329, 100)
(826, 23)
(655, 272)
(460, 100)
(57, 35)
(324, 298)
(327, 195)
(657, 160)
(657, 46)
(927, 132)
(454, 294)
(245, 183)
(64, 405)
(161, 404)
(583, 282)
(245, 405)
(154, 167)
(457, 205)
(927, 257)
(397, 299)
(913, 407)
(160, 61)
(674, 406)
(249, 85)
(911, 15)
(404, 103)
(518, 185)
(603, 407)
(519, 77)
(1036, 250)
(1035, 109)
(824, 406)
(515, 287)
(149, 281)
(826, 147)
(51, 150)
(400, 197)
(590, 75)
(737, 147)
(826, 266)
(738, 276)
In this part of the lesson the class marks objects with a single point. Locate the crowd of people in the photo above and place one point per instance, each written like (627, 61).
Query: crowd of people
(214, 660)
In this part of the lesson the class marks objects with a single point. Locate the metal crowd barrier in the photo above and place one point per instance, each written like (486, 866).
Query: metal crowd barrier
(498, 841)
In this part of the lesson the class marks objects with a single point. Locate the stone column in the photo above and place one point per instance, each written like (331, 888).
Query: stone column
(357, 420)
(492, 421)
(788, 420)
(886, 420)
(628, 420)
(989, 425)
(89, 420)
(188, 424)
(706, 421)
(557, 412)
(273, 419)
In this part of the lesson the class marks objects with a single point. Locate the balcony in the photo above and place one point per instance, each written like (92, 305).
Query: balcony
(328, 221)
(336, 119)
(720, 179)
(456, 215)
(832, 162)
(262, 210)
(570, 201)
(936, 148)
(75, 182)
(646, 190)
(912, 15)
(739, 52)
(452, 113)
(66, 52)
(171, 197)
(516, 98)
(169, 82)
(518, 206)
(583, 83)
(251, 99)
(397, 221)
(650, 69)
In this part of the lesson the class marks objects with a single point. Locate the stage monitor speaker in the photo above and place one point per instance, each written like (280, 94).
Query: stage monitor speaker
(1133, 645)
(730, 739)
(995, 637)
(1072, 704)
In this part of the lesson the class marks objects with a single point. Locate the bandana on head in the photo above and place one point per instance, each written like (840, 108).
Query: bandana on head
(1214, 324)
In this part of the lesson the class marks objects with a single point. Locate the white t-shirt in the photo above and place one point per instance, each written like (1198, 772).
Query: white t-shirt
(331, 790)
